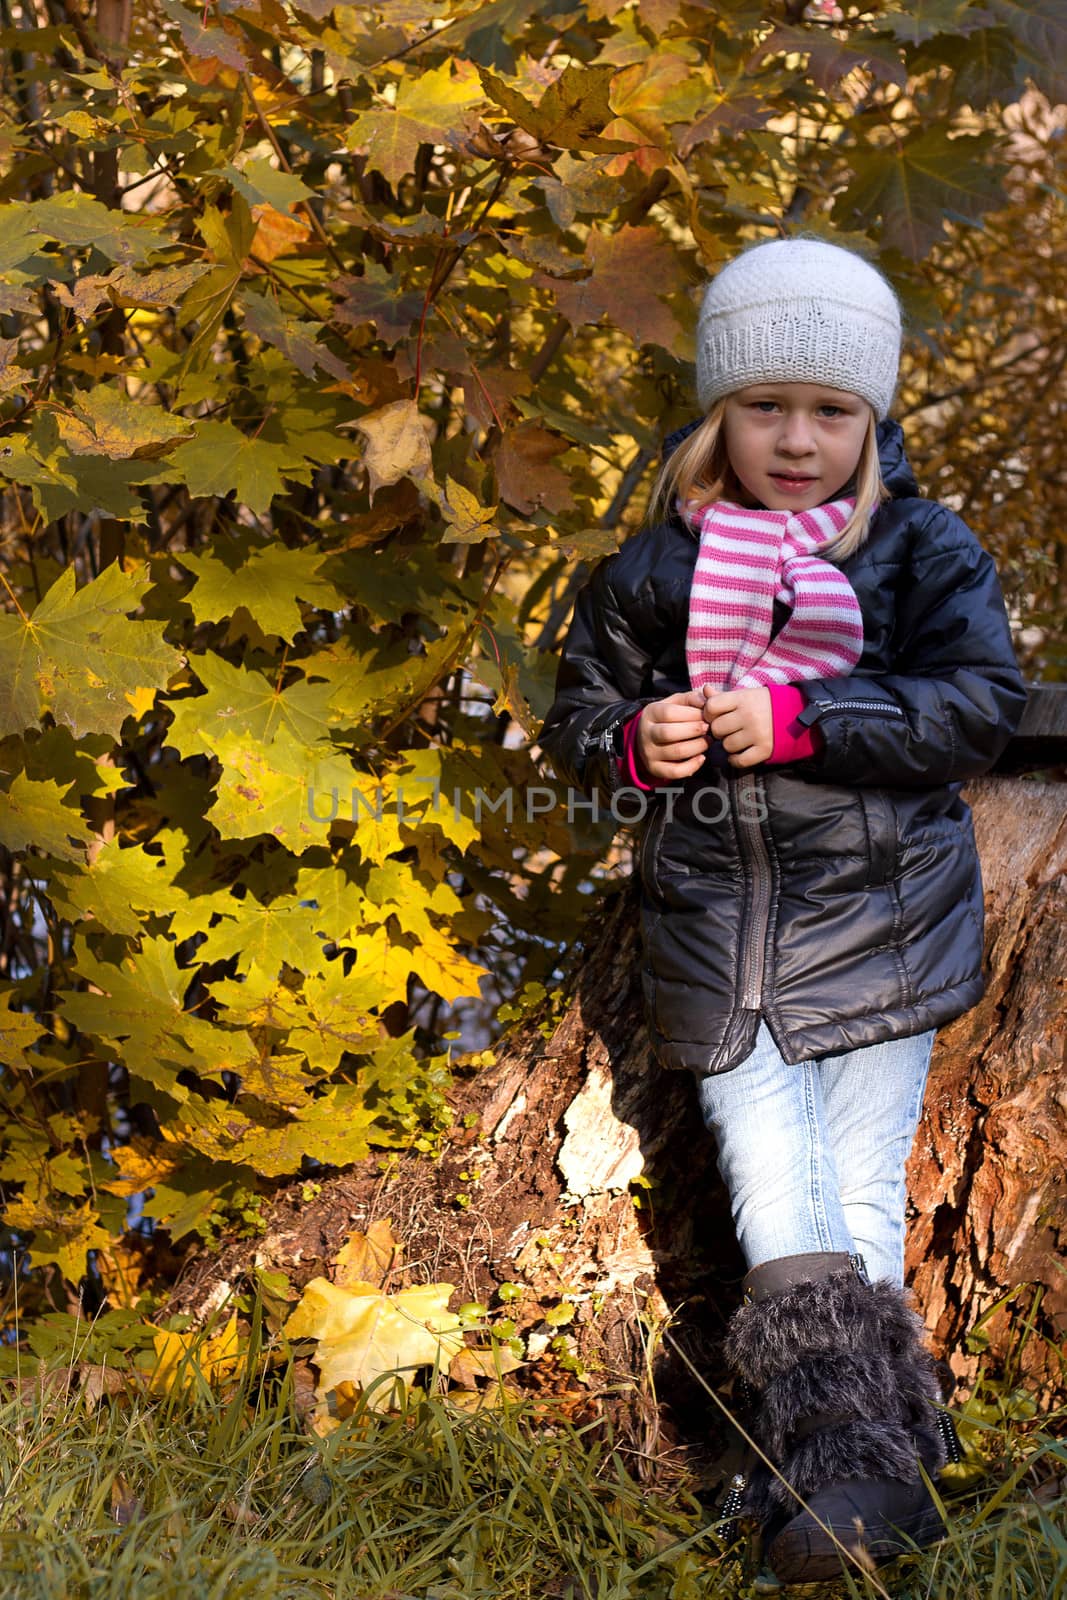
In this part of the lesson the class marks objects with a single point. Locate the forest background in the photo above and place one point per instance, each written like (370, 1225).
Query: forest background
(337, 344)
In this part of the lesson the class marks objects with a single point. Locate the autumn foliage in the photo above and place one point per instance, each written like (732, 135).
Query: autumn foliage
(337, 343)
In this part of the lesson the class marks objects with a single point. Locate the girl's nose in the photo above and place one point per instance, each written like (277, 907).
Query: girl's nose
(796, 435)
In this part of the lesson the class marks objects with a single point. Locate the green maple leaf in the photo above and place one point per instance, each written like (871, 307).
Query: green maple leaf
(432, 781)
(78, 220)
(339, 1012)
(246, 703)
(221, 458)
(267, 583)
(22, 461)
(81, 657)
(412, 581)
(228, 235)
(62, 1234)
(281, 1079)
(327, 1020)
(188, 1196)
(311, 424)
(34, 814)
(296, 340)
(925, 19)
(139, 1014)
(62, 482)
(431, 108)
(286, 790)
(54, 754)
(120, 882)
(1039, 28)
(265, 185)
(20, 242)
(332, 1129)
(366, 678)
(338, 903)
(266, 936)
(912, 189)
(19, 1030)
(259, 999)
(205, 303)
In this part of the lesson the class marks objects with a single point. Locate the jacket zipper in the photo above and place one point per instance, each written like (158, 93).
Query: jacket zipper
(754, 851)
(884, 706)
(819, 708)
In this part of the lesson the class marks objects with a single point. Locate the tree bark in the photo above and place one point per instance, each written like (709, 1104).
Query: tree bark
(988, 1173)
(587, 1177)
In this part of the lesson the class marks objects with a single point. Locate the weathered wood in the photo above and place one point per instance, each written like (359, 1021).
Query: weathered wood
(1040, 741)
(987, 1177)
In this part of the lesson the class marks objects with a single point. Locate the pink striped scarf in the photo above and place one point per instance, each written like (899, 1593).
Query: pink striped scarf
(748, 559)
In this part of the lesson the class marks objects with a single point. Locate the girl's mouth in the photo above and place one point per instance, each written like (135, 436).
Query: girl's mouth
(791, 480)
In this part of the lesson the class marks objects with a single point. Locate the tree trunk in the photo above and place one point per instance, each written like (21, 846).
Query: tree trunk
(987, 1174)
(589, 1179)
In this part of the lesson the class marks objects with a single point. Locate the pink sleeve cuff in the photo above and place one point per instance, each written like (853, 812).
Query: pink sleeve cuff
(631, 767)
(792, 741)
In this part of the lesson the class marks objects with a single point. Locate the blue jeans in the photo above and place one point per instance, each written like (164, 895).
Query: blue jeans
(813, 1155)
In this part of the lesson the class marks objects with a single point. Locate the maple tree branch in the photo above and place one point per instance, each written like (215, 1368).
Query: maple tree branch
(316, 225)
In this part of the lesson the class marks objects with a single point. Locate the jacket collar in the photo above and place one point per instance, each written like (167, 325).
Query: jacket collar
(896, 469)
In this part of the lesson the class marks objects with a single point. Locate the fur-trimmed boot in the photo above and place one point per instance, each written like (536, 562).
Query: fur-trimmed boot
(845, 1408)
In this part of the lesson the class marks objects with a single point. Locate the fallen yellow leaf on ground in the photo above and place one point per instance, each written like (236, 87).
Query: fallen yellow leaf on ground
(180, 1355)
(363, 1333)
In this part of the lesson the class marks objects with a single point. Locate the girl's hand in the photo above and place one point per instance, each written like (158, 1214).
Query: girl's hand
(673, 737)
(742, 719)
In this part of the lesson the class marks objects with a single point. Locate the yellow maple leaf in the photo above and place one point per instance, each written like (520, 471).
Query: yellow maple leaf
(141, 1165)
(142, 700)
(179, 1356)
(443, 969)
(363, 1334)
(491, 1363)
(121, 1271)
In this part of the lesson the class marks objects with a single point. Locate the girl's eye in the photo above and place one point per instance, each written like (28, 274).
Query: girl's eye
(765, 405)
(827, 407)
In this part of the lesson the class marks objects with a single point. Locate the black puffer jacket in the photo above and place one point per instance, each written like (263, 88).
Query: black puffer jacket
(838, 896)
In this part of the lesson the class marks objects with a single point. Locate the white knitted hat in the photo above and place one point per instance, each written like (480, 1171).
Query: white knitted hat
(799, 311)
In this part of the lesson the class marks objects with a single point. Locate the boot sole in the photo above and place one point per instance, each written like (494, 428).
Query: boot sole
(803, 1555)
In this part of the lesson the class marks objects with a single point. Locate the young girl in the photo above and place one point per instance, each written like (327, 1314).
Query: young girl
(797, 668)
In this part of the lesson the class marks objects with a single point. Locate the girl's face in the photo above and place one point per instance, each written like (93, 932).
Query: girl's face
(794, 445)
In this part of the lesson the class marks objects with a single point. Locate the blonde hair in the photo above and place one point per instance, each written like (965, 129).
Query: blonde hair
(698, 472)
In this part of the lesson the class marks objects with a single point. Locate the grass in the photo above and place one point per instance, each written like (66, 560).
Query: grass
(196, 1497)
